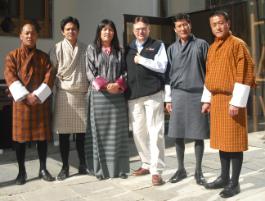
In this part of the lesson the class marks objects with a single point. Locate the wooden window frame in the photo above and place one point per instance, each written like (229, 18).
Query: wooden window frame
(16, 22)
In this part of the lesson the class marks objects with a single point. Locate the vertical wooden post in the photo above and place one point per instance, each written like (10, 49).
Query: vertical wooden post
(254, 56)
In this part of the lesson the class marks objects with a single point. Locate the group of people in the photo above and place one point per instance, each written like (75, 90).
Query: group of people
(98, 89)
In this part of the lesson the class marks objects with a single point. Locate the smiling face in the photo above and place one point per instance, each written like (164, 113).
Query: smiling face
(220, 26)
(141, 31)
(106, 35)
(28, 35)
(70, 32)
(182, 29)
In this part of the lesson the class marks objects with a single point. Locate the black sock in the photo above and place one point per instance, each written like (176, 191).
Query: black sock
(237, 160)
(225, 165)
(42, 152)
(180, 149)
(64, 148)
(20, 154)
(199, 149)
(80, 143)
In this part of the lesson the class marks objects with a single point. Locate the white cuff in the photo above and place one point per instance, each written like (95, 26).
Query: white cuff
(240, 95)
(18, 91)
(43, 92)
(167, 93)
(206, 95)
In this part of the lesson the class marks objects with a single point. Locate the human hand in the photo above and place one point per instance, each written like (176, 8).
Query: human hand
(113, 88)
(206, 108)
(32, 99)
(169, 107)
(137, 58)
(233, 110)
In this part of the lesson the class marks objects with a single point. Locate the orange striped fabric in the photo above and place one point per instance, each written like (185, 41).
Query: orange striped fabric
(29, 123)
(228, 62)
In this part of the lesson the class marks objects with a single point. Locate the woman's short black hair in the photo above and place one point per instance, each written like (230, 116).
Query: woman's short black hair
(69, 19)
(115, 41)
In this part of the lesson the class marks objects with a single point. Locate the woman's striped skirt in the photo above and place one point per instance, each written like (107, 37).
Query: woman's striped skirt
(107, 135)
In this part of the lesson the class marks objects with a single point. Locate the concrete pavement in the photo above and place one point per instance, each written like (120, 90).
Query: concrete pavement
(88, 188)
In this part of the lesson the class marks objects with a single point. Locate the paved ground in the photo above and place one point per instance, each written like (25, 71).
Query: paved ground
(88, 188)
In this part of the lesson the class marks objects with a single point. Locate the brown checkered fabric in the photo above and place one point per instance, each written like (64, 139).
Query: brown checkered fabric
(228, 62)
(33, 68)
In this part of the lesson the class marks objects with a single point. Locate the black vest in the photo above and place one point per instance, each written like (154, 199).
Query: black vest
(141, 80)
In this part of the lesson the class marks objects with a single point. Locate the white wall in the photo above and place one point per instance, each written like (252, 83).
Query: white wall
(89, 13)
(92, 12)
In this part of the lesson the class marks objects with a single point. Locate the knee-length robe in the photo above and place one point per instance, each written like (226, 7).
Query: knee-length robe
(71, 86)
(228, 62)
(107, 134)
(31, 68)
(186, 79)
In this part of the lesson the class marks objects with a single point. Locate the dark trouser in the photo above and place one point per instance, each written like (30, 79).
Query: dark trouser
(65, 148)
(21, 151)
(180, 150)
(237, 159)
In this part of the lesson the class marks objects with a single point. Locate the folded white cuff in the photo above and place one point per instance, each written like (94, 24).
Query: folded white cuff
(240, 95)
(206, 95)
(18, 91)
(167, 93)
(43, 92)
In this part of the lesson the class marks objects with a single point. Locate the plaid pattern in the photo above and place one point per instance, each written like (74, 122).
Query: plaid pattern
(70, 112)
(70, 101)
(227, 134)
(228, 62)
(33, 68)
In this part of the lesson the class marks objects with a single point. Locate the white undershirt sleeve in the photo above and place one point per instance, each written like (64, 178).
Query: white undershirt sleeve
(167, 93)
(18, 91)
(43, 92)
(240, 95)
(159, 63)
(206, 95)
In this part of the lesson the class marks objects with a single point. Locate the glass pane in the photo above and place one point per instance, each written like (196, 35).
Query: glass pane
(34, 9)
(9, 8)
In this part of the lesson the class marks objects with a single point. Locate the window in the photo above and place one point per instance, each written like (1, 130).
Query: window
(13, 13)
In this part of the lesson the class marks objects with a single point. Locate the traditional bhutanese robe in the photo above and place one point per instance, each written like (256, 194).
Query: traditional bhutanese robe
(229, 77)
(106, 142)
(71, 86)
(28, 71)
(187, 67)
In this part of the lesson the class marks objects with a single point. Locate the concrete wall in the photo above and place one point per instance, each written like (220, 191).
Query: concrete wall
(89, 13)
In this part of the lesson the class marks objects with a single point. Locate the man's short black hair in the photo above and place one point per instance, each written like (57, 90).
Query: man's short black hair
(220, 12)
(182, 16)
(69, 19)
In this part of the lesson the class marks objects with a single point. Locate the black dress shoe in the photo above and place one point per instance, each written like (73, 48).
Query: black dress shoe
(218, 183)
(45, 175)
(21, 178)
(123, 175)
(230, 190)
(200, 180)
(178, 176)
(64, 173)
(83, 170)
(100, 177)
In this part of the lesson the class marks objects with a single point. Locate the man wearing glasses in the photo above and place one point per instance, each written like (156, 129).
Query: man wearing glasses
(146, 61)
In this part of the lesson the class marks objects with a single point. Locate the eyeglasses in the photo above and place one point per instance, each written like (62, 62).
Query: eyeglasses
(140, 29)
